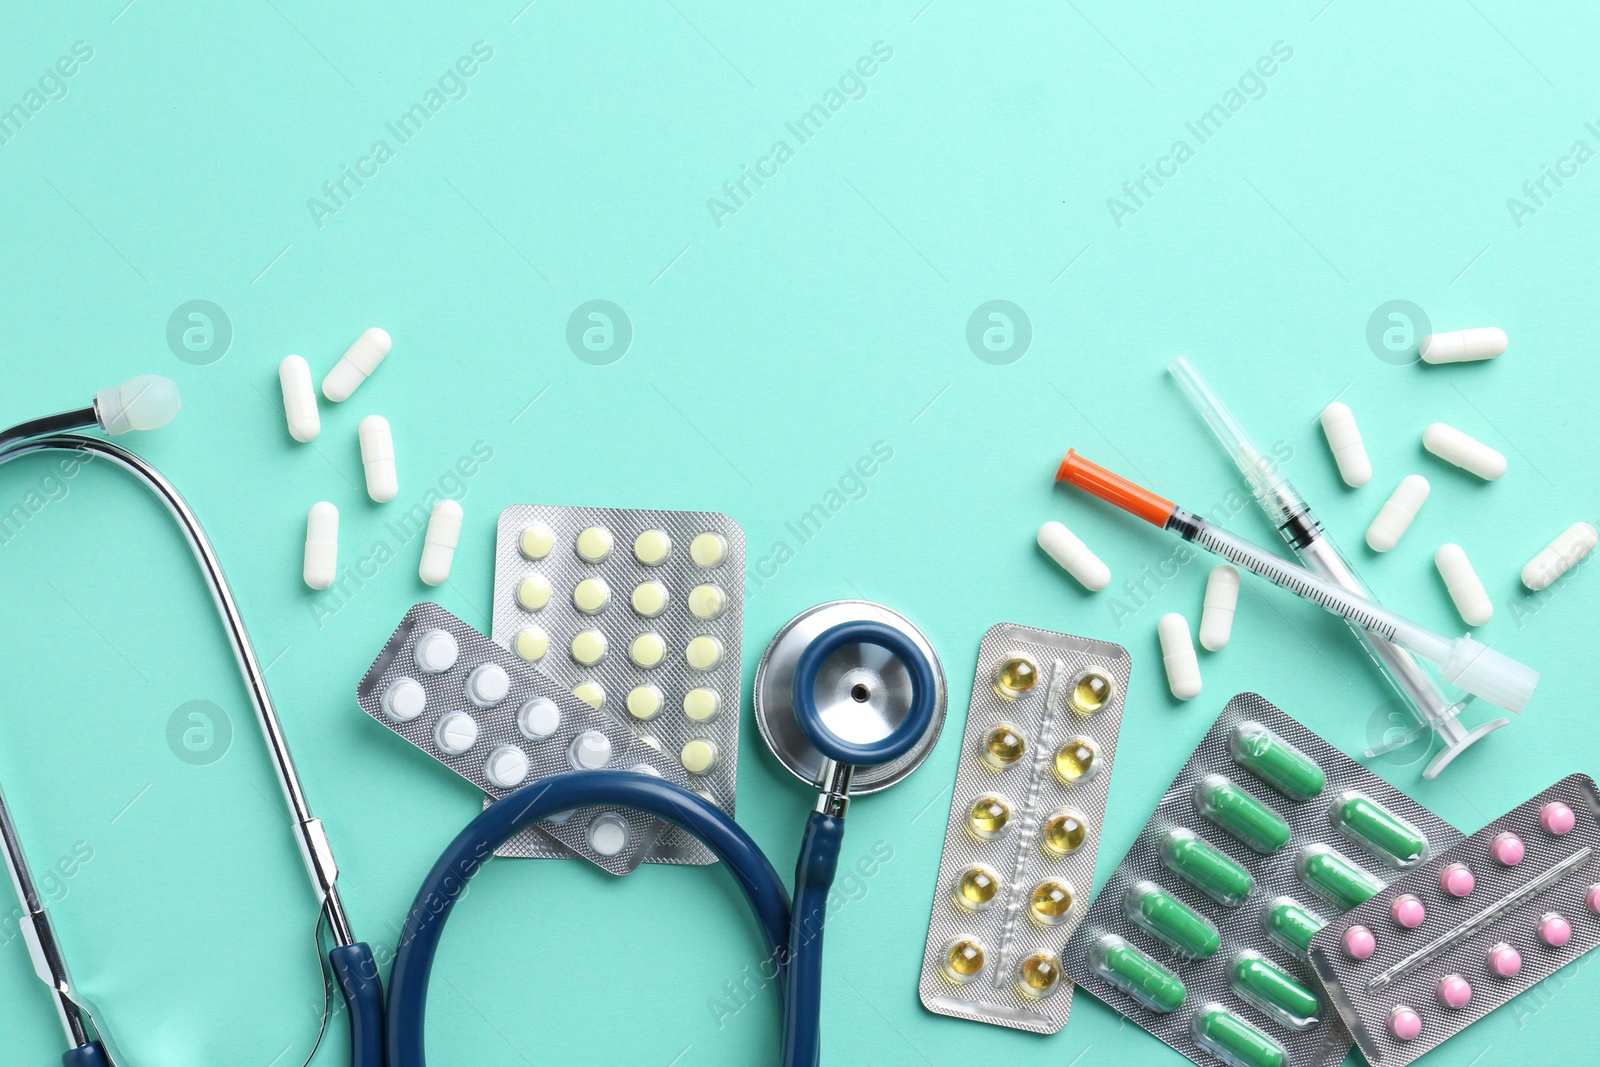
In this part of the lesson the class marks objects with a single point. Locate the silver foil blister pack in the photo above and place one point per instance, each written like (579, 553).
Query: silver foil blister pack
(1200, 934)
(500, 724)
(641, 613)
(1024, 828)
(1475, 926)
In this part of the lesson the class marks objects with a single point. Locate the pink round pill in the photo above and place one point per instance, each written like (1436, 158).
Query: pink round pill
(1456, 880)
(1359, 942)
(1557, 818)
(1592, 898)
(1554, 930)
(1454, 991)
(1404, 1023)
(1504, 960)
(1407, 911)
(1507, 848)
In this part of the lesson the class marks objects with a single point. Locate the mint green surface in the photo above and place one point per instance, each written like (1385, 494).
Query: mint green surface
(823, 320)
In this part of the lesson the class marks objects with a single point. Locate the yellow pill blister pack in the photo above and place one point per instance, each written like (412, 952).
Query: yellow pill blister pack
(640, 615)
(1024, 827)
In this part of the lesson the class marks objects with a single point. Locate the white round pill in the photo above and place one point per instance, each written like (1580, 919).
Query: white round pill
(645, 768)
(536, 541)
(404, 700)
(591, 596)
(650, 599)
(436, 652)
(1177, 656)
(590, 693)
(698, 756)
(538, 718)
(533, 592)
(647, 650)
(594, 544)
(651, 547)
(1397, 513)
(589, 647)
(701, 705)
(531, 643)
(608, 835)
(590, 751)
(644, 703)
(488, 685)
(708, 549)
(704, 653)
(506, 767)
(707, 601)
(455, 733)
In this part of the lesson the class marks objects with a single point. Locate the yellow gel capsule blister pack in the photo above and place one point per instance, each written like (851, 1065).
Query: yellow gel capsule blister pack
(640, 615)
(1024, 826)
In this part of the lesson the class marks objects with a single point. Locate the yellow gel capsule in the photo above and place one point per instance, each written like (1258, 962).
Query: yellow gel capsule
(1004, 746)
(1077, 760)
(963, 960)
(1090, 693)
(976, 888)
(1038, 975)
(1064, 831)
(1016, 676)
(1050, 902)
(989, 816)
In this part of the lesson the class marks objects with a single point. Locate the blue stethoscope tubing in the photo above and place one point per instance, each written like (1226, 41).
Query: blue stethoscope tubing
(793, 935)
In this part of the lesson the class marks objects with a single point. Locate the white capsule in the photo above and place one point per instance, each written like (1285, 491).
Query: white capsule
(1470, 454)
(1560, 556)
(1344, 439)
(377, 458)
(439, 546)
(1222, 600)
(322, 545)
(1177, 656)
(358, 361)
(299, 399)
(1461, 582)
(1063, 546)
(1394, 518)
(1485, 342)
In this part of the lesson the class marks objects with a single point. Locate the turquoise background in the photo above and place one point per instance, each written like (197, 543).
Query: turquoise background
(768, 354)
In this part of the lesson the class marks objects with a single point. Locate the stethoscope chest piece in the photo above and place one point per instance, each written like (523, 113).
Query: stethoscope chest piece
(867, 663)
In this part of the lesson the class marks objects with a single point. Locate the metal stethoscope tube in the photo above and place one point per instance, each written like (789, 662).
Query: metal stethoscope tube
(352, 961)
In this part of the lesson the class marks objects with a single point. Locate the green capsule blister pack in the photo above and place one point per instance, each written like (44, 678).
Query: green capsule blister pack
(1200, 935)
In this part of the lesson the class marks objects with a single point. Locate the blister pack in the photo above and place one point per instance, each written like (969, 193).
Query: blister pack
(500, 724)
(1200, 934)
(1024, 826)
(640, 614)
(1470, 929)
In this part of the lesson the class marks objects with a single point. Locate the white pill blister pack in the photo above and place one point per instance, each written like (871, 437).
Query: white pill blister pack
(1200, 934)
(500, 724)
(1024, 827)
(1477, 925)
(639, 613)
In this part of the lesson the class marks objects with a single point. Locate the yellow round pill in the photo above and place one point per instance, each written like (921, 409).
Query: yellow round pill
(590, 693)
(963, 960)
(591, 596)
(589, 647)
(989, 816)
(650, 599)
(976, 888)
(704, 653)
(698, 756)
(537, 540)
(708, 549)
(594, 544)
(651, 547)
(701, 705)
(647, 650)
(644, 703)
(1050, 902)
(533, 592)
(1038, 975)
(1090, 693)
(532, 643)
(707, 601)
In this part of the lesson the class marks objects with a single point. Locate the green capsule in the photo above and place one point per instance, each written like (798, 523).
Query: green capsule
(1234, 1041)
(1378, 830)
(1263, 983)
(1215, 875)
(1334, 878)
(1290, 926)
(1240, 814)
(1275, 761)
(1165, 918)
(1136, 974)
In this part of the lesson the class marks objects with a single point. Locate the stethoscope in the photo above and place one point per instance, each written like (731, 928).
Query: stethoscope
(146, 403)
(849, 697)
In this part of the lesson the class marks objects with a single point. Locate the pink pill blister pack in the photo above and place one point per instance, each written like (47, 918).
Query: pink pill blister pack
(1470, 929)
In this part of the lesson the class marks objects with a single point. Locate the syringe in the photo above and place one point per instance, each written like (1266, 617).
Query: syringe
(1462, 662)
(1290, 513)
